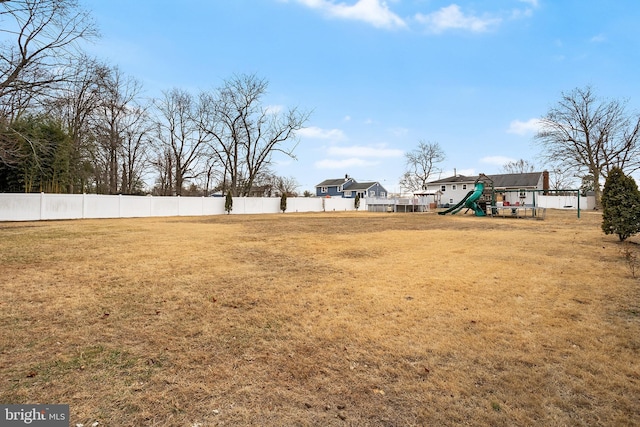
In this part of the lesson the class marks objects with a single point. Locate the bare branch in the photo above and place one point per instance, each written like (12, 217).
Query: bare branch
(421, 165)
(590, 136)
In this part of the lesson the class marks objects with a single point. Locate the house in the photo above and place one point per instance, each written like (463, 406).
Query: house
(348, 187)
(509, 188)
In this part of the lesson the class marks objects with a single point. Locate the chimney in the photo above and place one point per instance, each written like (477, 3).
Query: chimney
(455, 173)
(545, 182)
(346, 177)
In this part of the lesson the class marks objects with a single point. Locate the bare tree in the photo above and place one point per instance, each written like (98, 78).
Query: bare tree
(519, 166)
(116, 120)
(561, 178)
(181, 135)
(39, 41)
(287, 185)
(163, 165)
(590, 136)
(211, 174)
(274, 185)
(42, 35)
(75, 103)
(246, 133)
(137, 140)
(421, 164)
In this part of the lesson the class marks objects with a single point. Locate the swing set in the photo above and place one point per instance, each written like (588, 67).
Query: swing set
(533, 203)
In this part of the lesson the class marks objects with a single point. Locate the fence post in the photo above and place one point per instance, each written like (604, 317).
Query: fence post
(42, 205)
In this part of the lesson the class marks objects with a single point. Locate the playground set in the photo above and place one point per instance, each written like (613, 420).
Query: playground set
(485, 200)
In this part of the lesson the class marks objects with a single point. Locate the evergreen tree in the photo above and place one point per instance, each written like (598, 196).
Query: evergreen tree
(228, 203)
(621, 205)
(283, 202)
(43, 160)
(356, 202)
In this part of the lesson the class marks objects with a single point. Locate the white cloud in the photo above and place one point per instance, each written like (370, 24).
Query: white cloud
(273, 109)
(356, 156)
(399, 131)
(527, 11)
(522, 128)
(497, 160)
(379, 14)
(374, 12)
(599, 38)
(361, 151)
(533, 3)
(451, 17)
(318, 133)
(344, 163)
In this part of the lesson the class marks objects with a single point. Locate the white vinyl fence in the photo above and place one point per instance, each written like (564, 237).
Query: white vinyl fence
(35, 207)
(565, 202)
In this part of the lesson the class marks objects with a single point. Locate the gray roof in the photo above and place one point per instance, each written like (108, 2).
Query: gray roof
(360, 186)
(455, 179)
(333, 182)
(509, 180)
(516, 180)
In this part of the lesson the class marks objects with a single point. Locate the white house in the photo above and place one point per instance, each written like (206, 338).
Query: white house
(509, 188)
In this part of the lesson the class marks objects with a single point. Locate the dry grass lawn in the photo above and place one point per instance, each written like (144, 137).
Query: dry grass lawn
(329, 319)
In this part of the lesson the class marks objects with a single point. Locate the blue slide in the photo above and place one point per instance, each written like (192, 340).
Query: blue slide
(469, 202)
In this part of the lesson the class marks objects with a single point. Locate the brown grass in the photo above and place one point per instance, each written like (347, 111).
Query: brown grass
(321, 319)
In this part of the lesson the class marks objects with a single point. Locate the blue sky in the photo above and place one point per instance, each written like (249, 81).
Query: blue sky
(379, 76)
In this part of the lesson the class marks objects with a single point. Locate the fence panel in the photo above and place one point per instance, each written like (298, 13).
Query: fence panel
(213, 206)
(304, 204)
(20, 207)
(100, 206)
(33, 207)
(339, 204)
(134, 206)
(190, 206)
(62, 206)
(255, 205)
(565, 202)
(164, 206)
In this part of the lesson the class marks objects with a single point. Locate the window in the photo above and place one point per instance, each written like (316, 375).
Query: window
(453, 187)
(347, 194)
(372, 193)
(323, 190)
(464, 186)
(383, 194)
(443, 188)
(451, 201)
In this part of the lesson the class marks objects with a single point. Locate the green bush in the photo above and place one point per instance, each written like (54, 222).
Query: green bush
(283, 202)
(621, 205)
(228, 203)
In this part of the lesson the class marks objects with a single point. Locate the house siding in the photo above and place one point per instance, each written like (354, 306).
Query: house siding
(333, 189)
(450, 195)
(454, 190)
(350, 189)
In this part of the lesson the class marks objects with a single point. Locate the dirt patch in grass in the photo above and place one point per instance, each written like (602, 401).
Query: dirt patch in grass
(321, 319)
